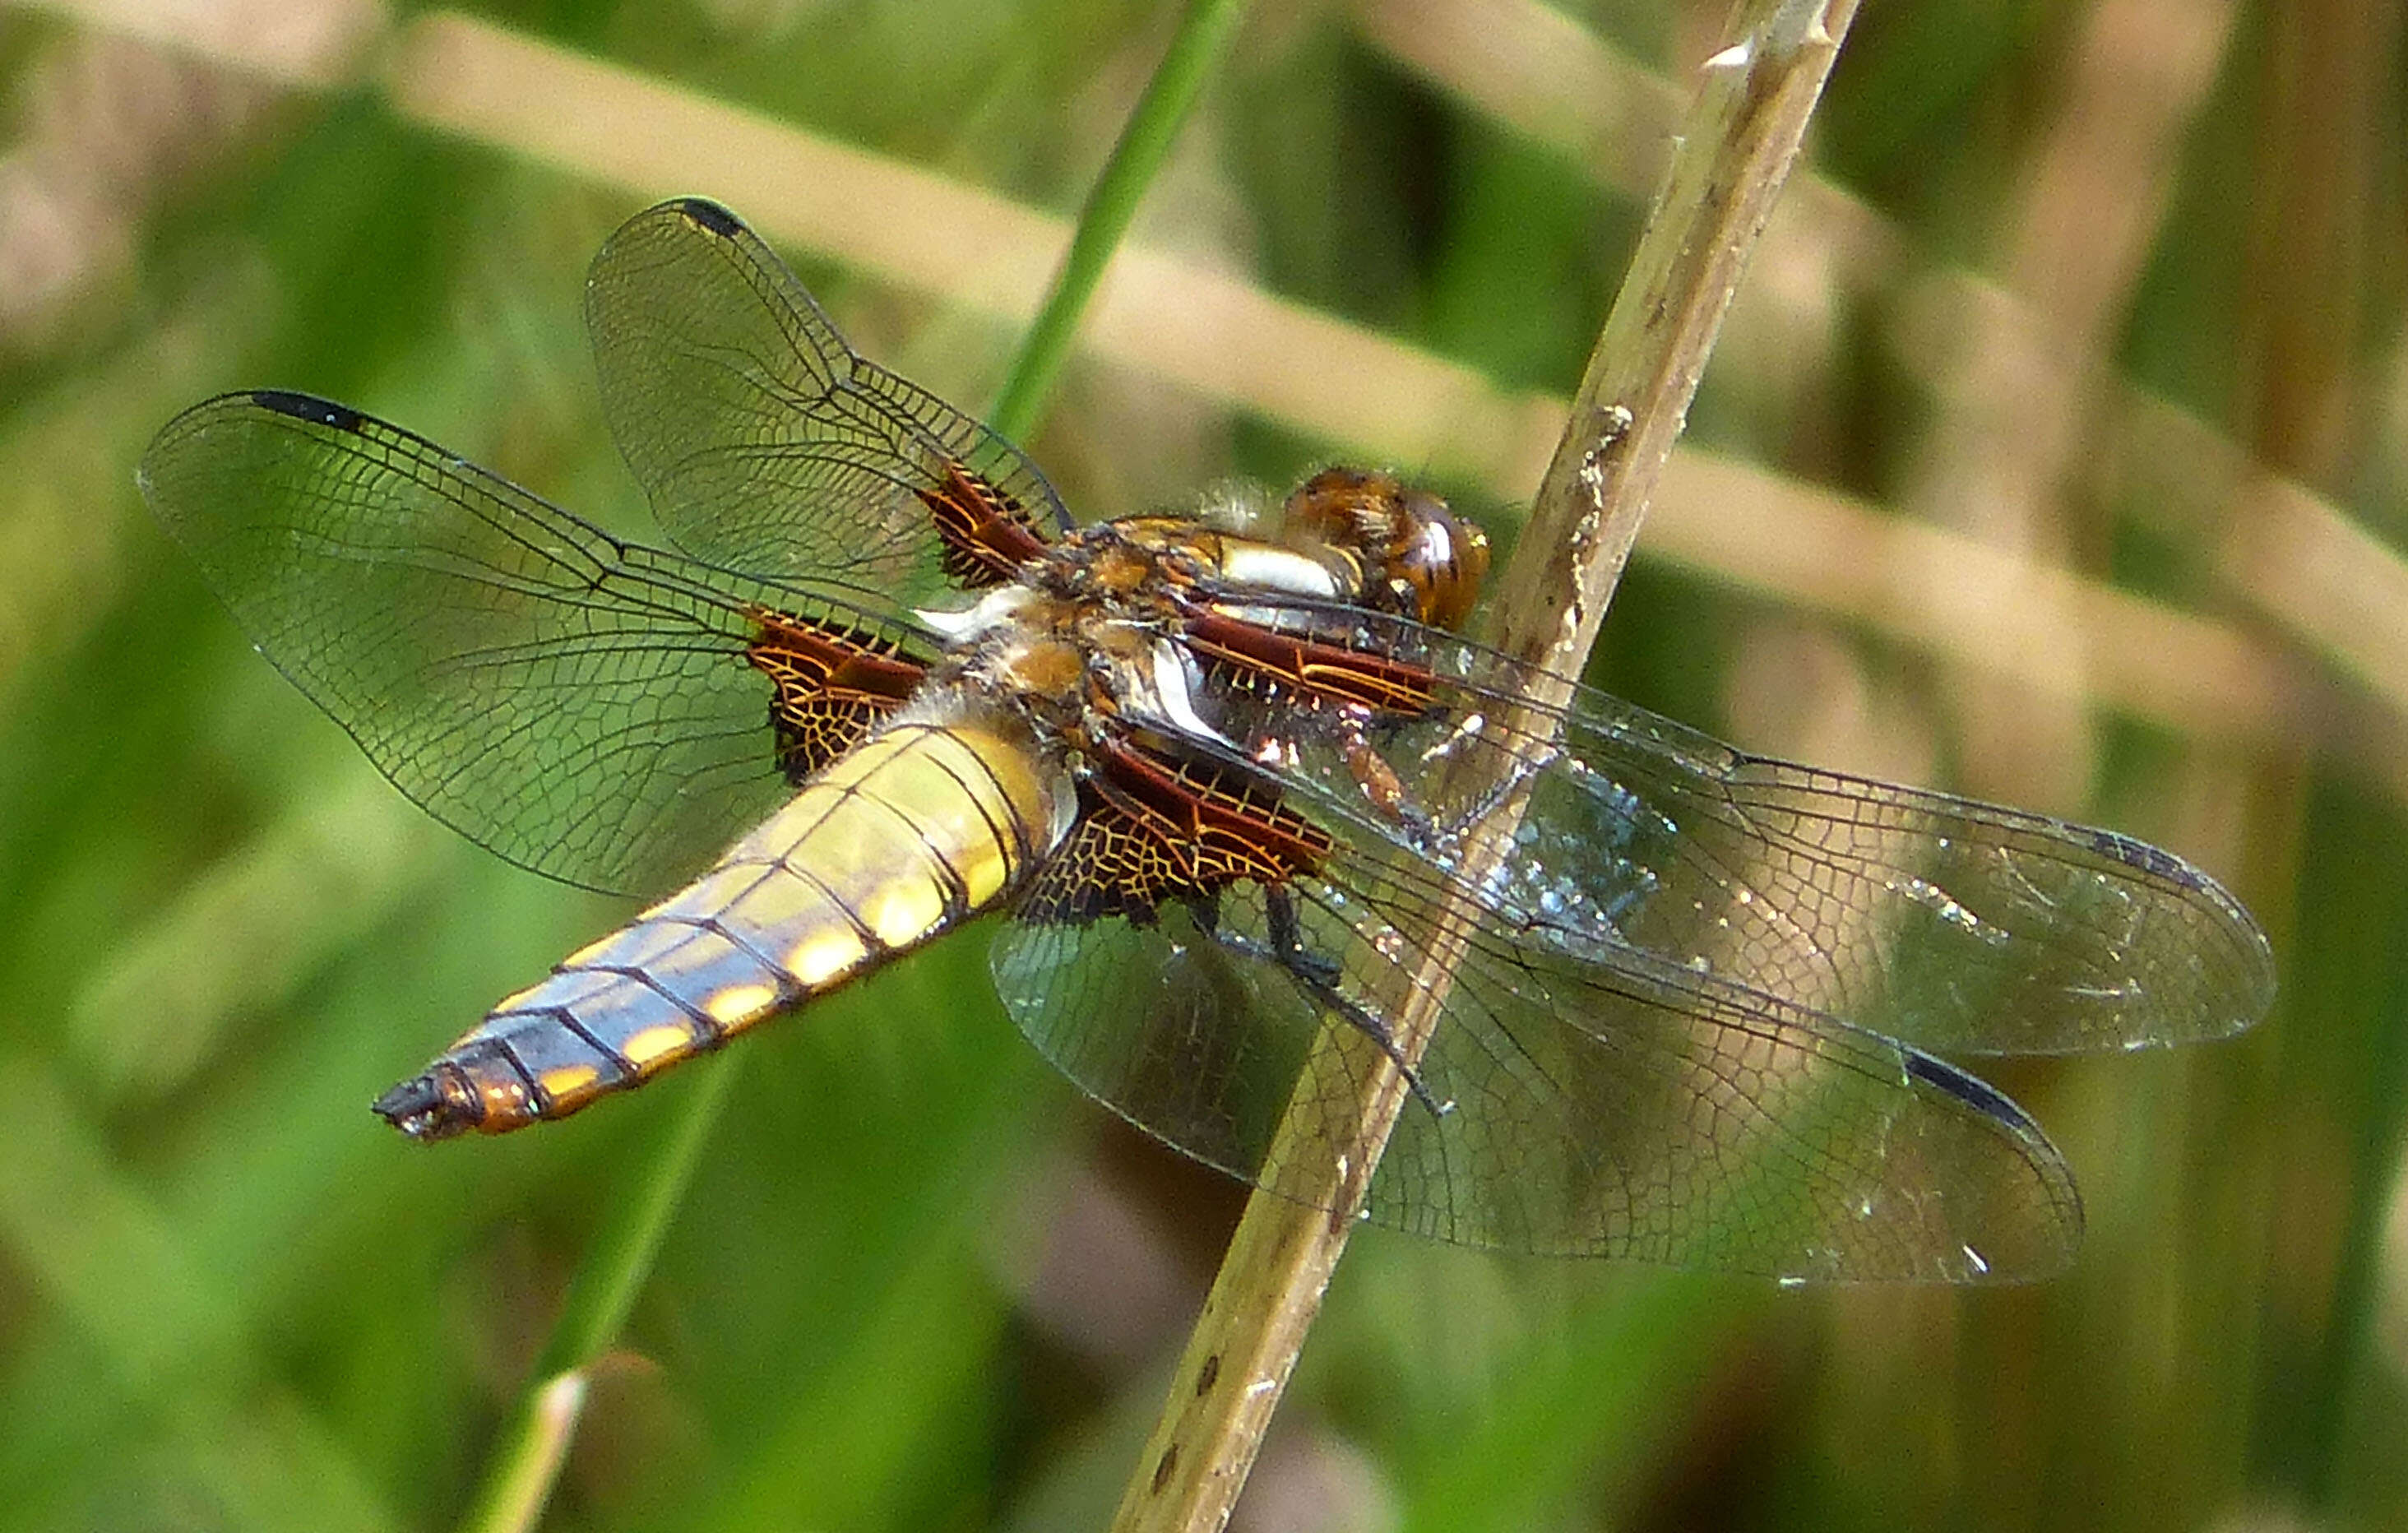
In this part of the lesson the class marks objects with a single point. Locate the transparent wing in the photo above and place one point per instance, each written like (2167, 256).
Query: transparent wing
(578, 704)
(1602, 1104)
(767, 446)
(1950, 924)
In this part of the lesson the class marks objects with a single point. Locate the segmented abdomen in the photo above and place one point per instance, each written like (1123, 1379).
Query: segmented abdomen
(913, 831)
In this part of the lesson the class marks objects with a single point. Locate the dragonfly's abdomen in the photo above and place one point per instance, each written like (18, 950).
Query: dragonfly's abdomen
(913, 831)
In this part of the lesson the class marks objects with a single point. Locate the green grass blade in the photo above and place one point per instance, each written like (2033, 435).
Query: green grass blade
(1203, 37)
(527, 1457)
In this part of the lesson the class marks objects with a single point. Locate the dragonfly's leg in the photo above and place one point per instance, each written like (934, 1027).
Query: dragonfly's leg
(1382, 788)
(1319, 974)
(1287, 949)
(1508, 787)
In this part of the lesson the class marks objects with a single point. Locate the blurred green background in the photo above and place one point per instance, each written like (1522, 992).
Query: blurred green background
(2114, 286)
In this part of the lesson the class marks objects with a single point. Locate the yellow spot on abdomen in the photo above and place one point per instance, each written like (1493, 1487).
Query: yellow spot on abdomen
(564, 1081)
(656, 1044)
(740, 1004)
(982, 871)
(904, 912)
(823, 955)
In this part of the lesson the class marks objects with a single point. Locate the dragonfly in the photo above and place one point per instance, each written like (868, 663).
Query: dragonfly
(1222, 778)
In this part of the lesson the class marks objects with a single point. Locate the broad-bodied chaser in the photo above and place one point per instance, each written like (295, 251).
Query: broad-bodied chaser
(1219, 774)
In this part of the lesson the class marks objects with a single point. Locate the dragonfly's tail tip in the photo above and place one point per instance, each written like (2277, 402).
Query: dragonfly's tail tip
(433, 1106)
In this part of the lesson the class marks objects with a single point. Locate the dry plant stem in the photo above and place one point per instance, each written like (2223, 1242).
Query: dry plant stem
(1738, 144)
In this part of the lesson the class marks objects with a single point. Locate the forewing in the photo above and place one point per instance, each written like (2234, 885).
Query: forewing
(580, 705)
(1619, 1107)
(1957, 925)
(1946, 924)
(767, 446)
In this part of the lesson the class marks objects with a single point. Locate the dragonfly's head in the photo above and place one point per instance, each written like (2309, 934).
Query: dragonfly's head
(1413, 552)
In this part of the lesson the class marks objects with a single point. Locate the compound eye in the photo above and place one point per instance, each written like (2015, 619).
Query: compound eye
(1337, 504)
(1443, 557)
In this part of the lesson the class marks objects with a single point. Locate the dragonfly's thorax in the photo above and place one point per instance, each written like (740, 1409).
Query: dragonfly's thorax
(1102, 630)
(1083, 639)
(1349, 535)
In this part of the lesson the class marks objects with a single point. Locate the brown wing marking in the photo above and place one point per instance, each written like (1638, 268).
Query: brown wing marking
(1155, 827)
(987, 534)
(833, 685)
(1327, 671)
